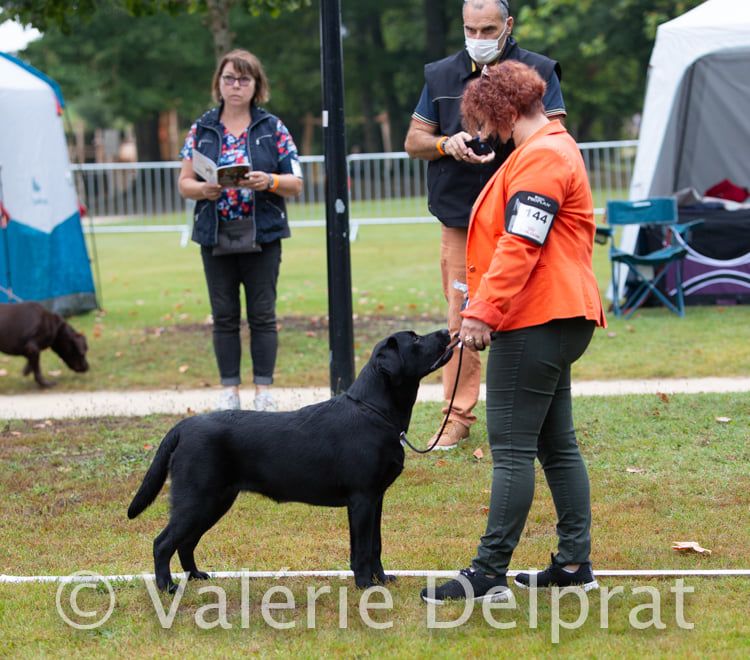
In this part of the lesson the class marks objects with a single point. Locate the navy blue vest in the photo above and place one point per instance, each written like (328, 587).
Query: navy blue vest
(452, 185)
(269, 210)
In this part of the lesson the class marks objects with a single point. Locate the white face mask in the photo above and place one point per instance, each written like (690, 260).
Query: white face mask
(484, 51)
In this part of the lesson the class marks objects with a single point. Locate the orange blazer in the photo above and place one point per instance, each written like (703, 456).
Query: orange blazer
(531, 237)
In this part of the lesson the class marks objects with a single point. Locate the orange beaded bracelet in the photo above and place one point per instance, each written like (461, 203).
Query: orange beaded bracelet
(441, 144)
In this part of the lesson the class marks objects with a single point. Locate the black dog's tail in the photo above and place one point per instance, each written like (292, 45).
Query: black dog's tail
(156, 474)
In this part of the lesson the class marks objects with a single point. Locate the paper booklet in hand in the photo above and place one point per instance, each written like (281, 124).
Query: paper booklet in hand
(227, 176)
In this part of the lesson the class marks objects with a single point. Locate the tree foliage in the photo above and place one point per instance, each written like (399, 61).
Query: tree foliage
(130, 59)
(604, 48)
(64, 14)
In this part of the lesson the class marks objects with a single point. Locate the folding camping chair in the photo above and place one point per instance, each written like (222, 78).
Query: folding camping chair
(646, 272)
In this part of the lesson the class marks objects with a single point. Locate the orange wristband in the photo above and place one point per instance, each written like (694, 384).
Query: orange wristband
(440, 144)
(276, 182)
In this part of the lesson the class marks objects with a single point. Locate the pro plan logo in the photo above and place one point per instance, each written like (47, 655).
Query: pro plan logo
(541, 201)
(37, 194)
(530, 215)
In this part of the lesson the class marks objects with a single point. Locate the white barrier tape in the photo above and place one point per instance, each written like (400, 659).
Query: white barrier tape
(19, 579)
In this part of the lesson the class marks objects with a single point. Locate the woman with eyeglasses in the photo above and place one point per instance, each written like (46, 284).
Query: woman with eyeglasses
(239, 224)
(534, 302)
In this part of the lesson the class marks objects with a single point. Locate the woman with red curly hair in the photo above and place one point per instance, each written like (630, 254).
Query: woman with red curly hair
(534, 301)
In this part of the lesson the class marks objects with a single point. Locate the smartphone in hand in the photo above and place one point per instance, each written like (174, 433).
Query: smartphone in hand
(478, 147)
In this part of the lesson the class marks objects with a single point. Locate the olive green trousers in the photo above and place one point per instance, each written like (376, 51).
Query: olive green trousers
(530, 415)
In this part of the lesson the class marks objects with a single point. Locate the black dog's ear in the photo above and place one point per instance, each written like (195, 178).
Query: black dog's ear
(52, 324)
(388, 359)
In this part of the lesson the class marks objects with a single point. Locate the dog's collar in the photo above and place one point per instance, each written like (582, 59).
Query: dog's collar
(371, 408)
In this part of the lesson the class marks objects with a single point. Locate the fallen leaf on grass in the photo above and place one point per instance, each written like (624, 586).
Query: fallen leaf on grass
(55, 372)
(484, 509)
(664, 397)
(723, 420)
(183, 368)
(636, 470)
(441, 463)
(611, 335)
(15, 434)
(690, 546)
(478, 454)
(3, 372)
(148, 447)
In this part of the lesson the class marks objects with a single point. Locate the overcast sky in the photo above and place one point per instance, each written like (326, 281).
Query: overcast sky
(13, 37)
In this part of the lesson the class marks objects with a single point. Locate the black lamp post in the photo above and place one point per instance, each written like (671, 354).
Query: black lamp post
(340, 332)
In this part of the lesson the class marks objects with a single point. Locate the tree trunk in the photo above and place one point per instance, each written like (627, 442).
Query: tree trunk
(365, 73)
(218, 23)
(385, 80)
(436, 28)
(147, 138)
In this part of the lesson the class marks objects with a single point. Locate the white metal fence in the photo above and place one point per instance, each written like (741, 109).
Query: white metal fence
(385, 188)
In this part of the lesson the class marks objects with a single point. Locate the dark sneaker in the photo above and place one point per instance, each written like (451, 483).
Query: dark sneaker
(557, 576)
(471, 585)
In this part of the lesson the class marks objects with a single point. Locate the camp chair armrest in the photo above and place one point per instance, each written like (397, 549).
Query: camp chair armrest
(684, 227)
(603, 234)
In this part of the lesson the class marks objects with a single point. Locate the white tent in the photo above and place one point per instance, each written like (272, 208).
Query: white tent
(695, 129)
(43, 255)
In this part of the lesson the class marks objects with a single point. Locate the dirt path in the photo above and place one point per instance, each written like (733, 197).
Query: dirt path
(51, 405)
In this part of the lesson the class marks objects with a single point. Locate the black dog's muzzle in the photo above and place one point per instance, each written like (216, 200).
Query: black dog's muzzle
(443, 359)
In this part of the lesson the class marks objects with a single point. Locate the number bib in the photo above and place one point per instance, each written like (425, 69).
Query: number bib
(530, 216)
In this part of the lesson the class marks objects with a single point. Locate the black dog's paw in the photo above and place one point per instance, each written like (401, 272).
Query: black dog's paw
(382, 578)
(198, 575)
(363, 583)
(166, 585)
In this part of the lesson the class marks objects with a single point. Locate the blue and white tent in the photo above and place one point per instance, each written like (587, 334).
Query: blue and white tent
(43, 254)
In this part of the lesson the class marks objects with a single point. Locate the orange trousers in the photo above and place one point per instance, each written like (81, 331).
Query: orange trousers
(453, 268)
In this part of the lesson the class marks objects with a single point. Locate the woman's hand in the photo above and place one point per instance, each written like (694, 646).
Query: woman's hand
(210, 191)
(475, 334)
(257, 180)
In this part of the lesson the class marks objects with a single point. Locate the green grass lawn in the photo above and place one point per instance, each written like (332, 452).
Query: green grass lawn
(662, 470)
(153, 333)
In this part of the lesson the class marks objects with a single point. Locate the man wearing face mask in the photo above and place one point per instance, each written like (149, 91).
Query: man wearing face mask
(456, 174)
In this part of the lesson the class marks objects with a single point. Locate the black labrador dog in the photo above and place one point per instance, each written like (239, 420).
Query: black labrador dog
(28, 328)
(342, 452)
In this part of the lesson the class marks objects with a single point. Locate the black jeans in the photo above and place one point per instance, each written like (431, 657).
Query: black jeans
(258, 273)
(529, 415)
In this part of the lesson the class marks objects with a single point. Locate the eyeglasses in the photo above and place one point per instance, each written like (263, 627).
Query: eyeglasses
(229, 81)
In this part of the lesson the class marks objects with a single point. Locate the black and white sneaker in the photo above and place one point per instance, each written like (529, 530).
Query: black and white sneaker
(470, 585)
(557, 576)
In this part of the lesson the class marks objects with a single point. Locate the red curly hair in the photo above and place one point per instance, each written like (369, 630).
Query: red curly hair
(503, 90)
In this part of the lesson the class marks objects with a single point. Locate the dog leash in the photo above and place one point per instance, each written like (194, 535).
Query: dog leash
(404, 439)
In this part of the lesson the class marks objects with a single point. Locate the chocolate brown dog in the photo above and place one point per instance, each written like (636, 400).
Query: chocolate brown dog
(27, 329)
(342, 452)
